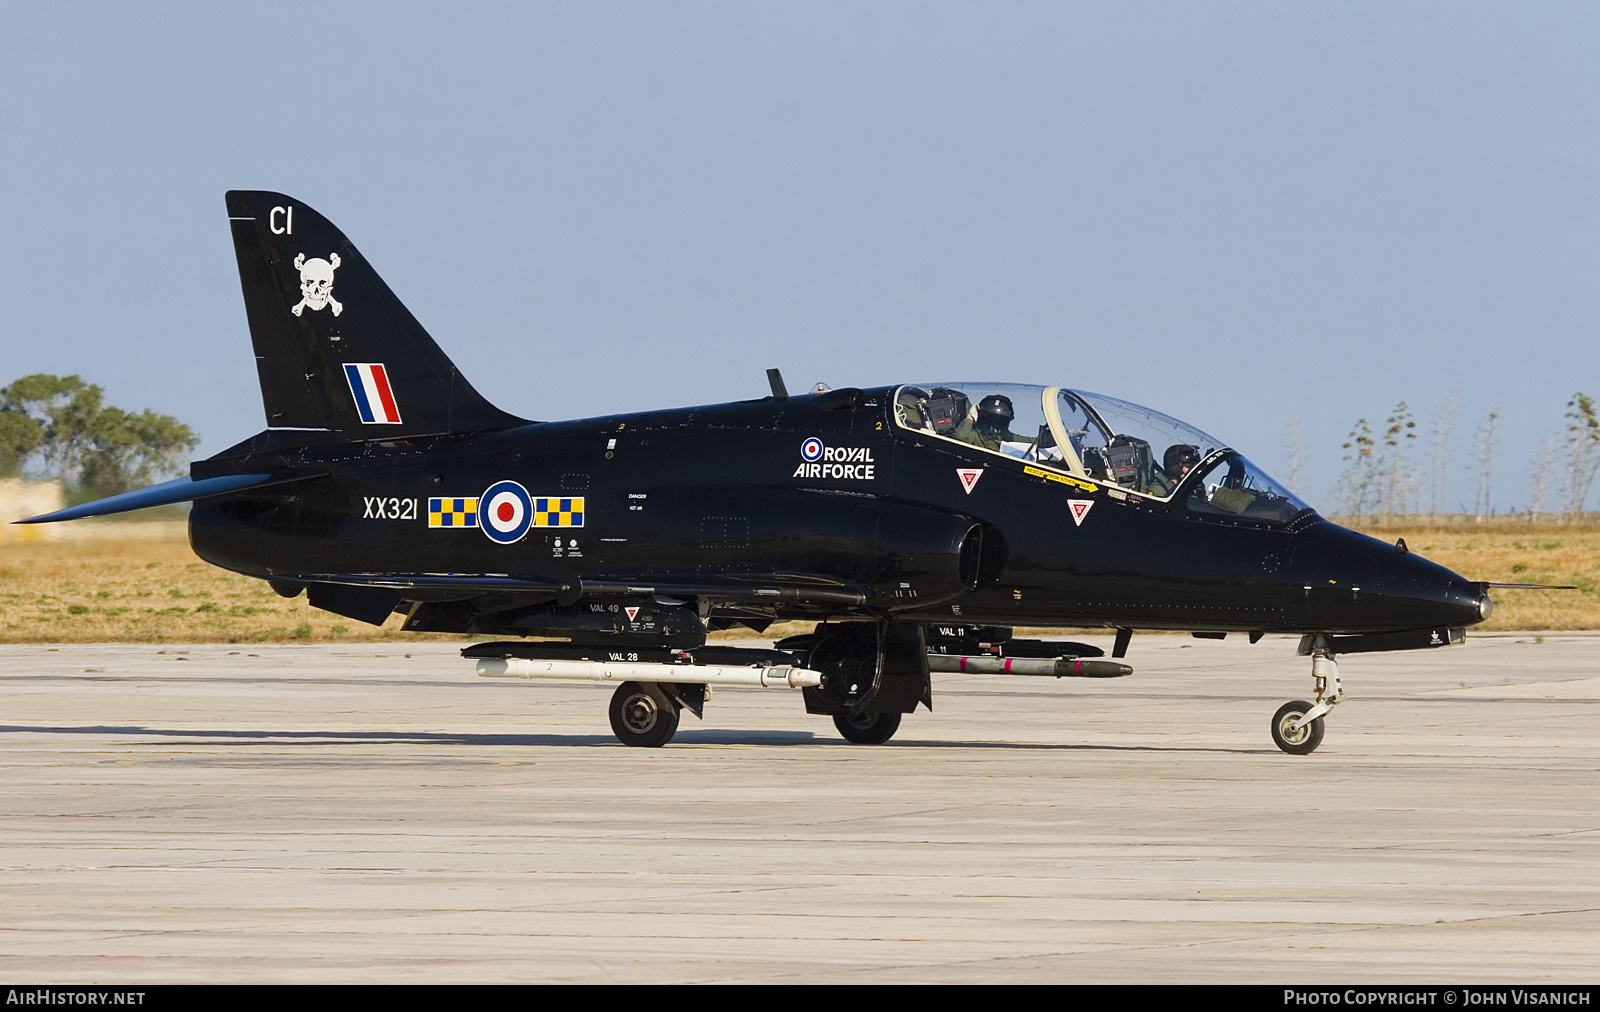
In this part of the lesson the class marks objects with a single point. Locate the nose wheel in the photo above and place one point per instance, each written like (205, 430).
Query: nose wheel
(1292, 732)
(1297, 727)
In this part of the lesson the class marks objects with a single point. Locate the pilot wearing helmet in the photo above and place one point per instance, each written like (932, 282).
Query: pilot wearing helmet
(1178, 461)
(991, 426)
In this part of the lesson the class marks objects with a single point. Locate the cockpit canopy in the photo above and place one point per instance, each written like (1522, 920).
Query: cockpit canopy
(1099, 438)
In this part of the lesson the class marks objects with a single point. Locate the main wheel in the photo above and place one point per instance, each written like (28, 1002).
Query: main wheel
(639, 718)
(867, 728)
(1298, 741)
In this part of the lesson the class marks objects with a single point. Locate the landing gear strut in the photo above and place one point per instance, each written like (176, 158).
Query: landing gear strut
(1297, 727)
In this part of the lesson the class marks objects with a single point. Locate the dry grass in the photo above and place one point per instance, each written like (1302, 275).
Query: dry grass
(157, 591)
(154, 591)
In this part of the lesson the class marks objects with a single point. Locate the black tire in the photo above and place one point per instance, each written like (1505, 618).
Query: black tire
(867, 728)
(1301, 742)
(638, 717)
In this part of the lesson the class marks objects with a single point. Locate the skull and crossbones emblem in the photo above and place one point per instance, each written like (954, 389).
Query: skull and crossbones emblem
(316, 283)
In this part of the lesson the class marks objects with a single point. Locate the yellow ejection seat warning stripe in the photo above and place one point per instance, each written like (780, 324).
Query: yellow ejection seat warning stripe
(1065, 479)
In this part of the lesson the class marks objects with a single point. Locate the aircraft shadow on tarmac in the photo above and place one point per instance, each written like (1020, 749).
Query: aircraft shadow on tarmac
(708, 736)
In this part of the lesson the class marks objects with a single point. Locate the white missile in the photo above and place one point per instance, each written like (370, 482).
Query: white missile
(783, 676)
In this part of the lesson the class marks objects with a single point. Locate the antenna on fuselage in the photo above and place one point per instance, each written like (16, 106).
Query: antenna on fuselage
(779, 391)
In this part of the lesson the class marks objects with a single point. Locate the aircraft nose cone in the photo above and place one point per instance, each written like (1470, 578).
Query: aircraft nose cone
(1456, 600)
(1360, 584)
(1428, 594)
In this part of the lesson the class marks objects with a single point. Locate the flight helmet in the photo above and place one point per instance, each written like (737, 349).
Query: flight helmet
(994, 416)
(1179, 458)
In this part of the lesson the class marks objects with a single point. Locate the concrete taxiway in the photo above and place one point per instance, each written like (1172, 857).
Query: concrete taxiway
(378, 813)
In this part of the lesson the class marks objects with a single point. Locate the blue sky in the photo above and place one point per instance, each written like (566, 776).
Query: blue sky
(1231, 212)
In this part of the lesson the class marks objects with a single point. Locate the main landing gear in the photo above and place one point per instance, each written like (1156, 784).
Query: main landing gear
(871, 673)
(1297, 727)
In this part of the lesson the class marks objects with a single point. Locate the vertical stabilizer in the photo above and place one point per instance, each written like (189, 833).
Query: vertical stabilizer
(335, 349)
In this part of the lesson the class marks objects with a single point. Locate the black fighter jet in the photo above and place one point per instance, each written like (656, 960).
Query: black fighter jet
(915, 525)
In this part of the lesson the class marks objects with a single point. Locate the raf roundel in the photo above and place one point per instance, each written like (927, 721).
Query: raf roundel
(811, 449)
(505, 512)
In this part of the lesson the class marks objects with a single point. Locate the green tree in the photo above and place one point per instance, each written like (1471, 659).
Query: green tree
(1583, 450)
(129, 450)
(66, 407)
(20, 436)
(82, 440)
(1358, 484)
(1397, 437)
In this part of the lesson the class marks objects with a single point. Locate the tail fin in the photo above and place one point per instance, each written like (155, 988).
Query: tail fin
(335, 348)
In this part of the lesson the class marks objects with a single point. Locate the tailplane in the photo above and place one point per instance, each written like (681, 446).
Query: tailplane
(335, 349)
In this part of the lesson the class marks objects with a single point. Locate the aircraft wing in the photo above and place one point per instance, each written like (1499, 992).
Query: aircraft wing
(482, 583)
(751, 589)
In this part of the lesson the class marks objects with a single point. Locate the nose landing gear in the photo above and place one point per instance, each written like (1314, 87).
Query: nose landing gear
(1297, 727)
(1292, 732)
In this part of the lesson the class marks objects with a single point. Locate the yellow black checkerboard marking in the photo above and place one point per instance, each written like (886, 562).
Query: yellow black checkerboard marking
(453, 512)
(558, 512)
